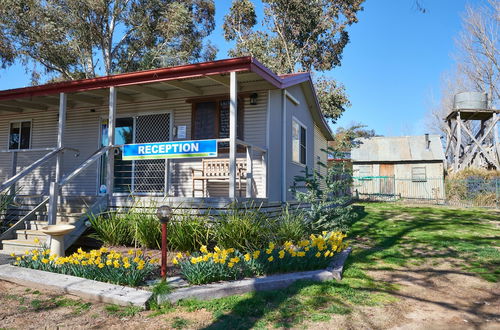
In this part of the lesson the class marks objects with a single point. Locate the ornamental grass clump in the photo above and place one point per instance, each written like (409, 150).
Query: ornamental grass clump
(230, 264)
(104, 265)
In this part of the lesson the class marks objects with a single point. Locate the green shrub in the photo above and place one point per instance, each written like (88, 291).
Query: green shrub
(290, 225)
(188, 232)
(245, 229)
(111, 228)
(146, 230)
(328, 195)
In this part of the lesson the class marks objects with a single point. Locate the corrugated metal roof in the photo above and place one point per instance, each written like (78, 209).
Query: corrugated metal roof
(398, 148)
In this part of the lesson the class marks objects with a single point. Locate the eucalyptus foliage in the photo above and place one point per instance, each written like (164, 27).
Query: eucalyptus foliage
(80, 39)
(296, 35)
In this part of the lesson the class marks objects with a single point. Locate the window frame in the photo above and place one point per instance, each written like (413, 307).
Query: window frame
(20, 121)
(217, 101)
(424, 179)
(301, 125)
(366, 177)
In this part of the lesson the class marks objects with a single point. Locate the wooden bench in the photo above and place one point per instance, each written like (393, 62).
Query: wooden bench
(217, 170)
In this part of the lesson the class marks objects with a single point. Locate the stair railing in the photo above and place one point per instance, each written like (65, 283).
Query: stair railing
(55, 187)
(18, 176)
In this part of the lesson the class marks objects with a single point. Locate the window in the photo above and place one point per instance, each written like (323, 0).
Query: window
(211, 120)
(365, 172)
(20, 135)
(298, 142)
(418, 174)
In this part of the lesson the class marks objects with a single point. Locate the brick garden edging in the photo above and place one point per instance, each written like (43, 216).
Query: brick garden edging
(78, 286)
(273, 282)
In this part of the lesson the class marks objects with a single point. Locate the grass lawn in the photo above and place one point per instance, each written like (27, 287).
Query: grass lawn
(386, 238)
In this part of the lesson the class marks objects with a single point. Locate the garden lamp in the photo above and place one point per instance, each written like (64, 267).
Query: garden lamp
(164, 213)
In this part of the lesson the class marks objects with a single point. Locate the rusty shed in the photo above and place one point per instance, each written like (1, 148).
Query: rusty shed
(409, 167)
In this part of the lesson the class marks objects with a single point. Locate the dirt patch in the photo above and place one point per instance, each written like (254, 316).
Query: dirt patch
(23, 308)
(430, 297)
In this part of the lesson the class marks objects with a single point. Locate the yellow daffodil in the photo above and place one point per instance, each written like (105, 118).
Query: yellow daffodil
(109, 262)
(256, 254)
(230, 250)
(36, 240)
(203, 249)
(217, 249)
(270, 259)
(269, 251)
(235, 260)
(140, 267)
(18, 259)
(12, 254)
(130, 252)
(34, 258)
(301, 254)
(271, 245)
(230, 264)
(247, 257)
(179, 255)
(175, 261)
(137, 259)
(281, 254)
(101, 265)
(126, 265)
(327, 253)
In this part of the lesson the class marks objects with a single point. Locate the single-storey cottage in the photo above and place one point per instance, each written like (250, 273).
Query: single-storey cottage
(198, 134)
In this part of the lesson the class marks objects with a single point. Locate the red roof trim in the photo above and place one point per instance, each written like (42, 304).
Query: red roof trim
(239, 64)
(140, 77)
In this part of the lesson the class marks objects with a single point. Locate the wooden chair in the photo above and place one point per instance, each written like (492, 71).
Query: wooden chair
(217, 170)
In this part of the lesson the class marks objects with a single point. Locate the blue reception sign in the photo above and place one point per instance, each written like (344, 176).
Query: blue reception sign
(173, 149)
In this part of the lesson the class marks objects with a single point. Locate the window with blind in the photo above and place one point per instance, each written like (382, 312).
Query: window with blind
(20, 135)
(211, 120)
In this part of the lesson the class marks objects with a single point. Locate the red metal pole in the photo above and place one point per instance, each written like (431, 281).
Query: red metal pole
(164, 250)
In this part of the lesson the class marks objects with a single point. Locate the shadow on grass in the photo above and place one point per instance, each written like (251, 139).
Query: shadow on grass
(389, 234)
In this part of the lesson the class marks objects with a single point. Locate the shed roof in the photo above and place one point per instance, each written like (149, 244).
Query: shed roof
(398, 148)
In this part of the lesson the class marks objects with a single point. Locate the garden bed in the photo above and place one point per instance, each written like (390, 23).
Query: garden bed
(273, 282)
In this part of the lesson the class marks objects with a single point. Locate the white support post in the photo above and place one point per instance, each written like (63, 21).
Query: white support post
(54, 186)
(111, 141)
(233, 115)
(60, 134)
(54, 196)
(249, 181)
(13, 171)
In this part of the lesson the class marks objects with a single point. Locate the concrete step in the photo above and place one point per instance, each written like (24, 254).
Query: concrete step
(19, 246)
(30, 235)
(36, 224)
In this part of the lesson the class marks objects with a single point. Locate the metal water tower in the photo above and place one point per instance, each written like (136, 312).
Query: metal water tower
(472, 133)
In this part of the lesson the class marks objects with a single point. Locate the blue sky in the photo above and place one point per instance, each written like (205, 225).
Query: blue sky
(391, 68)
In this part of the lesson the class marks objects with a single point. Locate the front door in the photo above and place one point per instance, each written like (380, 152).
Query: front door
(387, 179)
(143, 177)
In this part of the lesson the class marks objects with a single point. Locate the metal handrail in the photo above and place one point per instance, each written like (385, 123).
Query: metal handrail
(53, 152)
(27, 150)
(29, 169)
(94, 157)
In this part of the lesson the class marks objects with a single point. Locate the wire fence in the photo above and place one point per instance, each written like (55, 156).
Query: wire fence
(472, 192)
